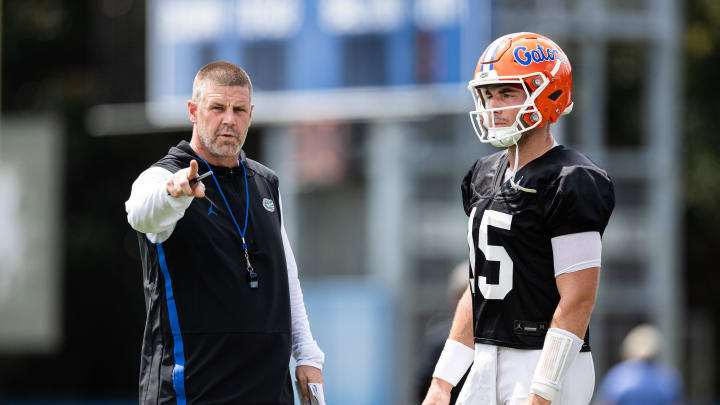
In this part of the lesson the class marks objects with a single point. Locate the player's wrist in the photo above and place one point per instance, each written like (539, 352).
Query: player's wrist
(543, 391)
(454, 362)
(559, 351)
(537, 399)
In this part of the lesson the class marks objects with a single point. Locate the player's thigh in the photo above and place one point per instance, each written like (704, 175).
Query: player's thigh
(579, 381)
(516, 368)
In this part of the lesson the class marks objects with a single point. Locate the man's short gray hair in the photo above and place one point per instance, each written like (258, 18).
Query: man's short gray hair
(220, 74)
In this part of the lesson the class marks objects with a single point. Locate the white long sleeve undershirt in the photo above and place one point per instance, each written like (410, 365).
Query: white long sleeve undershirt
(153, 212)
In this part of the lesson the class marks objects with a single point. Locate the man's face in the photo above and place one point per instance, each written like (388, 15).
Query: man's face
(503, 96)
(222, 118)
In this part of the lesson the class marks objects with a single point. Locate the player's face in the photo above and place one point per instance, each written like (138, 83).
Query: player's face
(223, 118)
(503, 96)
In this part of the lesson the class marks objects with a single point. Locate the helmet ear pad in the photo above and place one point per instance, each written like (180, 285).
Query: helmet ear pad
(555, 98)
(555, 103)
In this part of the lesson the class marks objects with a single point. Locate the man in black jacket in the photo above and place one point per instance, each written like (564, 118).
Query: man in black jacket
(224, 304)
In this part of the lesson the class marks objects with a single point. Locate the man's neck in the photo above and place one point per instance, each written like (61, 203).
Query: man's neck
(220, 161)
(532, 145)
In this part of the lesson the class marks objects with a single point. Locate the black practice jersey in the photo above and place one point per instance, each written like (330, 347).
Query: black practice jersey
(509, 231)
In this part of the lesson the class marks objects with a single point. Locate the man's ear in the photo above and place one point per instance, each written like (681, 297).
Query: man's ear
(252, 106)
(192, 111)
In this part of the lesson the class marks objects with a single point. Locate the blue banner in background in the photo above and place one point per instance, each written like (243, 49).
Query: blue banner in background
(315, 44)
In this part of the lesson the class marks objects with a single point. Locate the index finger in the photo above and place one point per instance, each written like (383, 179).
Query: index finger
(192, 173)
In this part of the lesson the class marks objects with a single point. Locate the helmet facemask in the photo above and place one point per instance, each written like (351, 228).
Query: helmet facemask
(527, 118)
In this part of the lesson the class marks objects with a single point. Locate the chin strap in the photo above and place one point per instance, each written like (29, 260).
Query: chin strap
(512, 177)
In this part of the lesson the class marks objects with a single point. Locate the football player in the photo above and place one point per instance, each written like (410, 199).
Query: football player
(537, 211)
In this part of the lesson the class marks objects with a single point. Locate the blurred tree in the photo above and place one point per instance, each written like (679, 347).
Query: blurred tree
(702, 140)
(45, 60)
(62, 56)
(702, 159)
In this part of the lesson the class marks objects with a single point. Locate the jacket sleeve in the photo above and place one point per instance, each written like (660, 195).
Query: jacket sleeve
(150, 209)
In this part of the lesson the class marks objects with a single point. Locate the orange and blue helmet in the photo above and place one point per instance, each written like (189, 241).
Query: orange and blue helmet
(533, 63)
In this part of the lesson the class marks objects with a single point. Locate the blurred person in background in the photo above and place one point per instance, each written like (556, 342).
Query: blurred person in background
(537, 210)
(224, 304)
(640, 379)
(437, 332)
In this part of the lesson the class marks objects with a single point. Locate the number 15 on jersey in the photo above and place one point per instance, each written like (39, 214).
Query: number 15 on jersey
(492, 253)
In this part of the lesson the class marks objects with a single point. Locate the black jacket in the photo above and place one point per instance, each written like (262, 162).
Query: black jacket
(208, 335)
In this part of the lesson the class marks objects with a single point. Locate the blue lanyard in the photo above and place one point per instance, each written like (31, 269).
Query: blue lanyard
(247, 201)
(252, 276)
